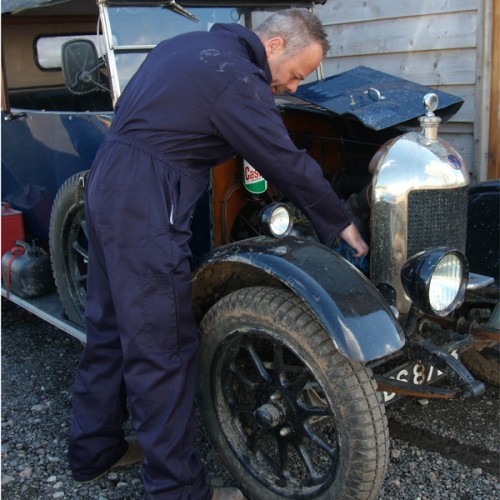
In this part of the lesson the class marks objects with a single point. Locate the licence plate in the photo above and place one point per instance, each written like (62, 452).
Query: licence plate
(413, 372)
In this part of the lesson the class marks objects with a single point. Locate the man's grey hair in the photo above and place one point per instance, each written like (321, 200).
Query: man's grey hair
(298, 28)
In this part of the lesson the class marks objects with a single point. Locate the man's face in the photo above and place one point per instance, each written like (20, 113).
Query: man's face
(287, 72)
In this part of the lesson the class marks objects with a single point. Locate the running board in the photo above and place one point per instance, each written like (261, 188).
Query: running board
(48, 308)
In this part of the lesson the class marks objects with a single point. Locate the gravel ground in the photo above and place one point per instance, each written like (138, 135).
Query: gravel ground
(440, 450)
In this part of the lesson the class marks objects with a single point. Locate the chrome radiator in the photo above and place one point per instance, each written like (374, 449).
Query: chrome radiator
(419, 201)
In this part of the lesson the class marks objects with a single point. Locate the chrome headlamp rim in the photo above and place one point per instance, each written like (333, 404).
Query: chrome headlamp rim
(436, 279)
(276, 220)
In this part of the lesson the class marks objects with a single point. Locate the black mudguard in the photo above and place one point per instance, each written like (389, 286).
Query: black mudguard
(353, 312)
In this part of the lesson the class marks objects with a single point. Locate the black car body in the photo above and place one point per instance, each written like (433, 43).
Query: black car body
(302, 345)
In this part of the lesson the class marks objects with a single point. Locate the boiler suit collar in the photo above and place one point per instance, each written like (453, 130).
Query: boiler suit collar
(251, 44)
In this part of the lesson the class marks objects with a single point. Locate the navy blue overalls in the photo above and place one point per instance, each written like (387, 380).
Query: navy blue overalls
(196, 101)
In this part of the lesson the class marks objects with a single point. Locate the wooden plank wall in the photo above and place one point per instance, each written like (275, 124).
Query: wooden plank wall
(494, 138)
(434, 42)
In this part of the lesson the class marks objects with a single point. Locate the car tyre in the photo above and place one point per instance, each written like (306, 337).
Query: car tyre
(69, 248)
(289, 416)
(484, 364)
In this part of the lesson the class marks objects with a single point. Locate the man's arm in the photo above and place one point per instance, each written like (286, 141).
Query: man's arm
(246, 116)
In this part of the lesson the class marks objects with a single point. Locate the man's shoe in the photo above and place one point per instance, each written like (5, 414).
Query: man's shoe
(133, 455)
(227, 494)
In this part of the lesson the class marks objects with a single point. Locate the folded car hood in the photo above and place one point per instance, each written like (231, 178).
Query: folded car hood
(377, 99)
(220, 3)
(18, 5)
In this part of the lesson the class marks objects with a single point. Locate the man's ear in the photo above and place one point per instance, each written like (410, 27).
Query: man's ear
(274, 46)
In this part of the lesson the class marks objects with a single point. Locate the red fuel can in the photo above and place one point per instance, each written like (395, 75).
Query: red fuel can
(12, 227)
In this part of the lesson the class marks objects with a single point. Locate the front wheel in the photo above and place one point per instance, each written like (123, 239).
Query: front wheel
(288, 415)
(484, 364)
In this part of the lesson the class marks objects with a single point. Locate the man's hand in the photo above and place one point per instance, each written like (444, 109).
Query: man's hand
(352, 237)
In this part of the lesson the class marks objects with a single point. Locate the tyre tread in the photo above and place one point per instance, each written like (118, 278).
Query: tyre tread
(369, 431)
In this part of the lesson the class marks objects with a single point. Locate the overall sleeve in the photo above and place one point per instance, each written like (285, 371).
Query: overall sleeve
(246, 116)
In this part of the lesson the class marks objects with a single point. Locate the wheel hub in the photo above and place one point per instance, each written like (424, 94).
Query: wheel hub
(272, 413)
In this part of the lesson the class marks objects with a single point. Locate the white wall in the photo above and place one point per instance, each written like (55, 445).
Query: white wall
(438, 43)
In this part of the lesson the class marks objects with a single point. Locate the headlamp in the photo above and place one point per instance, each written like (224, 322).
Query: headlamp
(276, 220)
(435, 280)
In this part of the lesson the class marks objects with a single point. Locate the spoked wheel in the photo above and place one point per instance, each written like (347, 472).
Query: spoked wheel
(287, 414)
(69, 247)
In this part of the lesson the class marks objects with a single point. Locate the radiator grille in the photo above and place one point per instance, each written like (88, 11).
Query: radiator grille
(437, 217)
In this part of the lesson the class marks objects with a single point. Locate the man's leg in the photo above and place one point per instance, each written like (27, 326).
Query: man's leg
(99, 400)
(160, 375)
(149, 282)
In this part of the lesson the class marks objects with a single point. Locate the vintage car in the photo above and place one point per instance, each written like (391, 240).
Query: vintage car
(302, 345)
